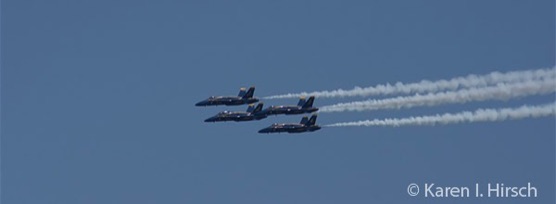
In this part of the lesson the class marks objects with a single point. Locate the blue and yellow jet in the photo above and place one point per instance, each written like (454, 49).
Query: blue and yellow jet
(303, 106)
(306, 125)
(250, 114)
(244, 97)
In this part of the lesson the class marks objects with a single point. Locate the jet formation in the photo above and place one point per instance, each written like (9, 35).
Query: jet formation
(258, 113)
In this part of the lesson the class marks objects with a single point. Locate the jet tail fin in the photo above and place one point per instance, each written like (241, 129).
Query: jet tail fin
(304, 120)
(312, 120)
(309, 102)
(258, 108)
(250, 108)
(241, 92)
(249, 93)
(301, 101)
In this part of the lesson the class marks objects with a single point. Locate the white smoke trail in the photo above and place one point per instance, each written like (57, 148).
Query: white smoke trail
(426, 86)
(481, 115)
(498, 92)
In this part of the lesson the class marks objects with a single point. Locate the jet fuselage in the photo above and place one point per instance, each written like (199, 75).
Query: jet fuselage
(226, 100)
(290, 128)
(287, 110)
(234, 116)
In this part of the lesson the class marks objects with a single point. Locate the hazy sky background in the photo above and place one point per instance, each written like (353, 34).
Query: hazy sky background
(97, 100)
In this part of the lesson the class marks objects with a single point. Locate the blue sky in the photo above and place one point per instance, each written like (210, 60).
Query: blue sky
(97, 100)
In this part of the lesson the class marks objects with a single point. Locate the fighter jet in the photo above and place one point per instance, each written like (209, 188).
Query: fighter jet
(244, 97)
(304, 126)
(249, 115)
(301, 108)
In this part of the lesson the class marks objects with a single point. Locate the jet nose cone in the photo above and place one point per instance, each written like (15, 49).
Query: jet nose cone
(265, 130)
(211, 119)
(202, 103)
